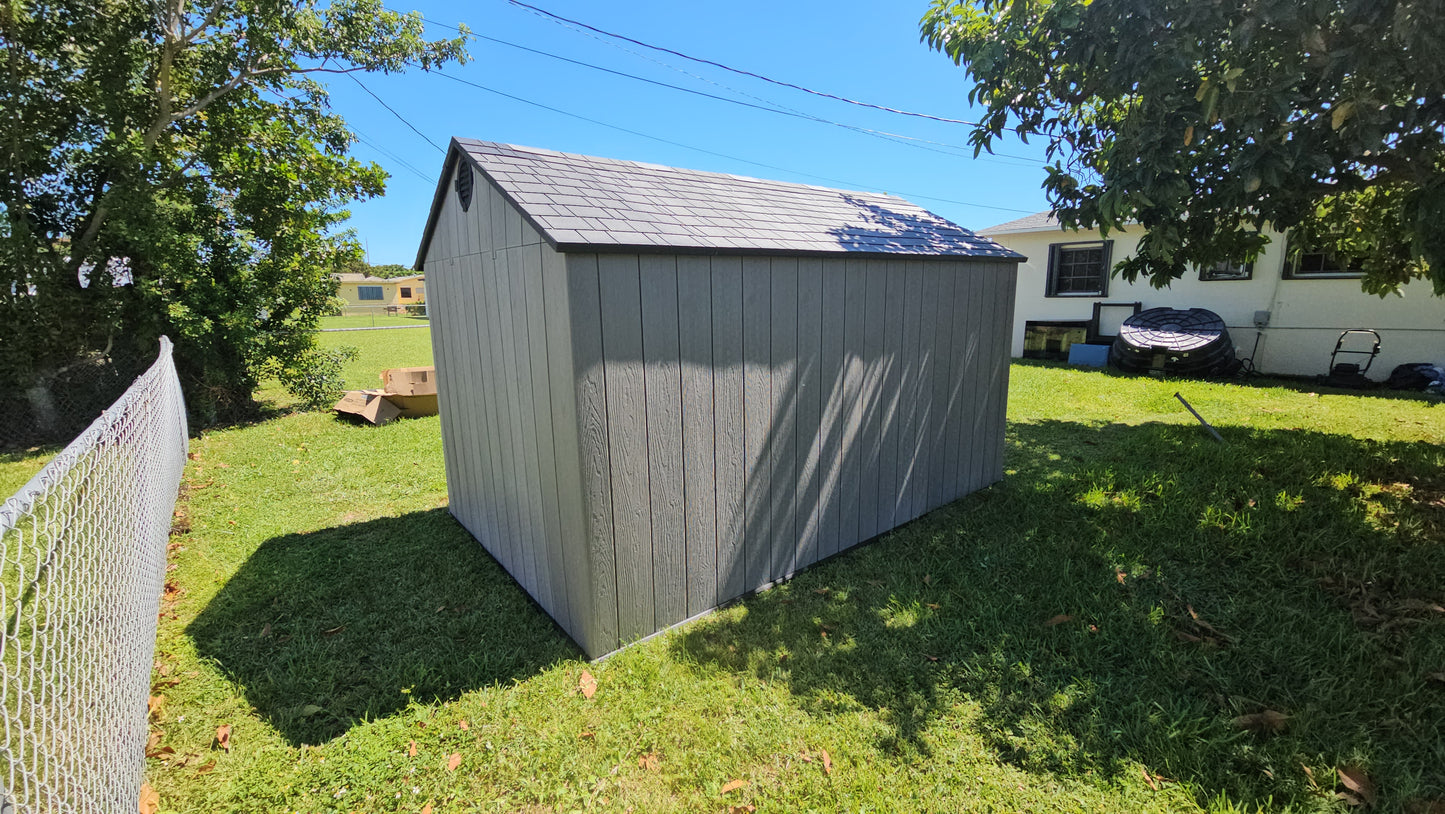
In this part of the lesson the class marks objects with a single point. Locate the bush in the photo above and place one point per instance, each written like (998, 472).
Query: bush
(315, 377)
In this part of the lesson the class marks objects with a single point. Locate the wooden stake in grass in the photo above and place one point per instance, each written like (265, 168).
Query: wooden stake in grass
(1196, 414)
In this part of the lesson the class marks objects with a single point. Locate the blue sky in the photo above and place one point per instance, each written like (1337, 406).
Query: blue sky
(869, 51)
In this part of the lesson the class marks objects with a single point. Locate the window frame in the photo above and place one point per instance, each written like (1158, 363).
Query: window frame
(1205, 273)
(405, 292)
(363, 290)
(1294, 260)
(1056, 250)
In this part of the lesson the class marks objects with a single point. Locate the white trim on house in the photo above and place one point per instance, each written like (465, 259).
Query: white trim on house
(1305, 314)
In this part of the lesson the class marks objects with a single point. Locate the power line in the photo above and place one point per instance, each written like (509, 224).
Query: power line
(368, 141)
(438, 147)
(641, 134)
(911, 141)
(566, 20)
(956, 150)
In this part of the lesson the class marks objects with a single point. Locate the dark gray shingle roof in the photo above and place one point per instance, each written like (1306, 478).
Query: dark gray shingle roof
(583, 203)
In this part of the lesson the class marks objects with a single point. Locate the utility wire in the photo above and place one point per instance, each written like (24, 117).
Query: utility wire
(372, 143)
(957, 150)
(641, 134)
(438, 147)
(566, 20)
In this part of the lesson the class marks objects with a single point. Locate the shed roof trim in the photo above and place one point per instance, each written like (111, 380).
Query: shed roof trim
(584, 203)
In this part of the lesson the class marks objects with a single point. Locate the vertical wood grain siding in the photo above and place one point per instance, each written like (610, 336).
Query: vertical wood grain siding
(638, 438)
(510, 443)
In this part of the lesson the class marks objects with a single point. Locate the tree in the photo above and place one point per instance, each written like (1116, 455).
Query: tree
(1206, 121)
(388, 271)
(174, 168)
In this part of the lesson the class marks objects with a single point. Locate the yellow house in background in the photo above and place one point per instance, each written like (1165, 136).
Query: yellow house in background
(360, 290)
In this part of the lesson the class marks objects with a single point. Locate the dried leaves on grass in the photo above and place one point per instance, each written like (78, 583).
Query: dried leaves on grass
(1361, 787)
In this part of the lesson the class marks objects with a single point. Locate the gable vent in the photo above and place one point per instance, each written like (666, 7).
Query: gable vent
(464, 186)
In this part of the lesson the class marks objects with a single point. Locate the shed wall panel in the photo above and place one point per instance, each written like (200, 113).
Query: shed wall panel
(871, 396)
(589, 379)
(475, 510)
(851, 451)
(700, 470)
(663, 379)
(490, 294)
(479, 400)
(521, 549)
(832, 406)
(627, 437)
(527, 420)
(978, 339)
(782, 460)
(728, 408)
(939, 489)
(808, 380)
(927, 416)
(551, 582)
(576, 572)
(910, 378)
(890, 413)
(757, 418)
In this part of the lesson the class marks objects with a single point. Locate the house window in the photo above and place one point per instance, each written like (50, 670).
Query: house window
(1079, 269)
(405, 293)
(1319, 265)
(369, 292)
(1227, 271)
(1051, 340)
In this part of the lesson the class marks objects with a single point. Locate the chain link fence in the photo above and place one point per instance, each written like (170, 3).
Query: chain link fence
(82, 564)
(61, 405)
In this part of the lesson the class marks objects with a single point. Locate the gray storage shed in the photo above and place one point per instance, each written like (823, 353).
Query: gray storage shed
(662, 389)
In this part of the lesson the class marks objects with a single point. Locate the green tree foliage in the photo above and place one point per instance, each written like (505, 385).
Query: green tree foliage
(388, 271)
(1207, 120)
(173, 167)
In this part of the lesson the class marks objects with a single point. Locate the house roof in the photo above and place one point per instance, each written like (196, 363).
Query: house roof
(583, 203)
(357, 277)
(1037, 222)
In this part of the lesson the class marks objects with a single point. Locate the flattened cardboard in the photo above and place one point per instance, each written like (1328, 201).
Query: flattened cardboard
(410, 381)
(370, 405)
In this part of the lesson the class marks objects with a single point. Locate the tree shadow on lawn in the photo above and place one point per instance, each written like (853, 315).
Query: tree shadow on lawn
(329, 628)
(1122, 596)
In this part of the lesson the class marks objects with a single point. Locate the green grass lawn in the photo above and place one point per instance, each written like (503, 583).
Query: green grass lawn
(1086, 635)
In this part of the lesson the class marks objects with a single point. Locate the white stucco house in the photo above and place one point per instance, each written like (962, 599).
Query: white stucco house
(1285, 316)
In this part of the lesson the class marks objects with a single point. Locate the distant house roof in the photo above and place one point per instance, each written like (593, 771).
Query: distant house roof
(1037, 222)
(582, 203)
(357, 277)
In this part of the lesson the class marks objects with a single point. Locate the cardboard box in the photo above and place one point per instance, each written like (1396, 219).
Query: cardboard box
(370, 405)
(408, 392)
(414, 406)
(410, 381)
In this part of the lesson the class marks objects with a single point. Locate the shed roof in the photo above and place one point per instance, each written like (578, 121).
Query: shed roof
(583, 203)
